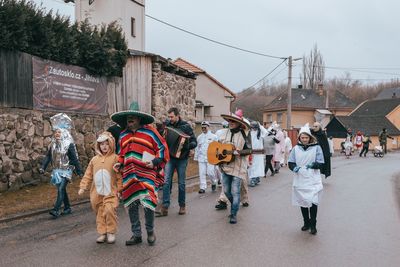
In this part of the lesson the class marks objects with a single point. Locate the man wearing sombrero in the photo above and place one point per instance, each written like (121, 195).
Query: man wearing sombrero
(143, 155)
(234, 172)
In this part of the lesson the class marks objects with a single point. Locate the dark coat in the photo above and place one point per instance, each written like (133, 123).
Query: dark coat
(185, 127)
(323, 142)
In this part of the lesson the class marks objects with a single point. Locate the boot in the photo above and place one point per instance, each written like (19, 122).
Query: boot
(134, 241)
(182, 210)
(221, 205)
(306, 219)
(151, 238)
(306, 225)
(163, 212)
(313, 227)
(232, 219)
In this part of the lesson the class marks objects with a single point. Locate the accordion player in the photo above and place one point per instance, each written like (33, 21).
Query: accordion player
(176, 141)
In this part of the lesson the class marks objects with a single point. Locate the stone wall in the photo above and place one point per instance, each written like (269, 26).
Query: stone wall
(171, 90)
(25, 136)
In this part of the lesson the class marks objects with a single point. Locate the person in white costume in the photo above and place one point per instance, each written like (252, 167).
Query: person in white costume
(200, 155)
(279, 148)
(256, 169)
(306, 160)
(288, 148)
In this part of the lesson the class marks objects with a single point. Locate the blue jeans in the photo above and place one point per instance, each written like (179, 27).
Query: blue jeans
(180, 166)
(62, 196)
(135, 221)
(231, 185)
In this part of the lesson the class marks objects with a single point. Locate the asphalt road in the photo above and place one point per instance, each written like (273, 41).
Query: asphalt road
(358, 225)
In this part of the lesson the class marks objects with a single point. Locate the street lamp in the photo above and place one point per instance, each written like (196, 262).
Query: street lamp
(289, 101)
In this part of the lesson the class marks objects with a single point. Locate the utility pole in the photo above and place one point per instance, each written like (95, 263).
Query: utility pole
(289, 98)
(289, 101)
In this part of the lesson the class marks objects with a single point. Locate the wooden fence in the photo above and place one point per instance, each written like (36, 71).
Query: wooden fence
(16, 84)
(16, 79)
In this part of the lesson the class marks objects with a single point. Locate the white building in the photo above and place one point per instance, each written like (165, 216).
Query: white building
(130, 14)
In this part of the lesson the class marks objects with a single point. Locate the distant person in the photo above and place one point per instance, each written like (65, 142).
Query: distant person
(279, 148)
(288, 148)
(256, 169)
(269, 148)
(63, 157)
(358, 141)
(306, 160)
(383, 136)
(105, 187)
(330, 142)
(366, 141)
(200, 155)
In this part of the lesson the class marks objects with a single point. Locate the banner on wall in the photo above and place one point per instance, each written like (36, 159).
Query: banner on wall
(60, 87)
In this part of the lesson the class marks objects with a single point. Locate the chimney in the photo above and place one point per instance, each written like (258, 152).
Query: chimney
(320, 89)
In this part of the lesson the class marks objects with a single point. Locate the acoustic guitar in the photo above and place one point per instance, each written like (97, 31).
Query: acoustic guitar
(223, 153)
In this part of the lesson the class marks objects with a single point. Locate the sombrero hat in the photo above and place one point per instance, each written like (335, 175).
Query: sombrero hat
(121, 116)
(237, 117)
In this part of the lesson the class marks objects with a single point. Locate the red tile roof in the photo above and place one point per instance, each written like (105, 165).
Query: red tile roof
(191, 67)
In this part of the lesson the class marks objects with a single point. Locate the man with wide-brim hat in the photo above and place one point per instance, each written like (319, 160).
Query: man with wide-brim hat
(142, 157)
(235, 173)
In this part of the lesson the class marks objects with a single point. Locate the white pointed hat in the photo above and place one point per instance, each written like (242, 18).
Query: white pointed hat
(305, 129)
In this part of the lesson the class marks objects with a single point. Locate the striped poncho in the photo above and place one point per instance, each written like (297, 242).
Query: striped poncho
(139, 181)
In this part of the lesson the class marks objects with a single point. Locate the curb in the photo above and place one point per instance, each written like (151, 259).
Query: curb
(42, 211)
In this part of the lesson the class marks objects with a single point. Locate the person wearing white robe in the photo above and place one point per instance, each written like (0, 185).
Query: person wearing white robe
(200, 155)
(279, 148)
(306, 160)
(288, 148)
(256, 169)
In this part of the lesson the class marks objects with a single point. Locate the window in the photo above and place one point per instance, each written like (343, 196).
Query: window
(269, 118)
(279, 117)
(133, 27)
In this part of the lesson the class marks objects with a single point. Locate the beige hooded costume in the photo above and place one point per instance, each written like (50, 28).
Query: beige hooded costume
(104, 184)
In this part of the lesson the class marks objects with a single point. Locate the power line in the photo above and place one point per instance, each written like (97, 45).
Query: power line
(214, 41)
(268, 73)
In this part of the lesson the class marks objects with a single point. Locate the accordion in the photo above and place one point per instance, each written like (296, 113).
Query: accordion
(176, 141)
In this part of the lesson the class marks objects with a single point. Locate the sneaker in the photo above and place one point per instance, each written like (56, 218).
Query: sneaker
(245, 204)
(252, 183)
(213, 187)
(232, 219)
(133, 241)
(54, 213)
(202, 191)
(151, 238)
(110, 238)
(182, 210)
(221, 205)
(66, 211)
(101, 239)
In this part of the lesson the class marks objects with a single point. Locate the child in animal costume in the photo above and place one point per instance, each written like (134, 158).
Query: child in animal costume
(306, 160)
(105, 186)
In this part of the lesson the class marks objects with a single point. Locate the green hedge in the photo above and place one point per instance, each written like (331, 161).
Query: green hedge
(26, 27)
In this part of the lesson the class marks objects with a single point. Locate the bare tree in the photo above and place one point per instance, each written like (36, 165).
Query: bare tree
(313, 69)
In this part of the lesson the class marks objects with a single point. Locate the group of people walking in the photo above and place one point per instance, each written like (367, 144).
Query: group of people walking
(134, 161)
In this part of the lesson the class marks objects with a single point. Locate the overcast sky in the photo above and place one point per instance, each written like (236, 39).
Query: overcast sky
(349, 34)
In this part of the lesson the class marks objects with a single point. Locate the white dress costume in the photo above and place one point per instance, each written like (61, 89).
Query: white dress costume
(307, 184)
(200, 155)
(256, 169)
